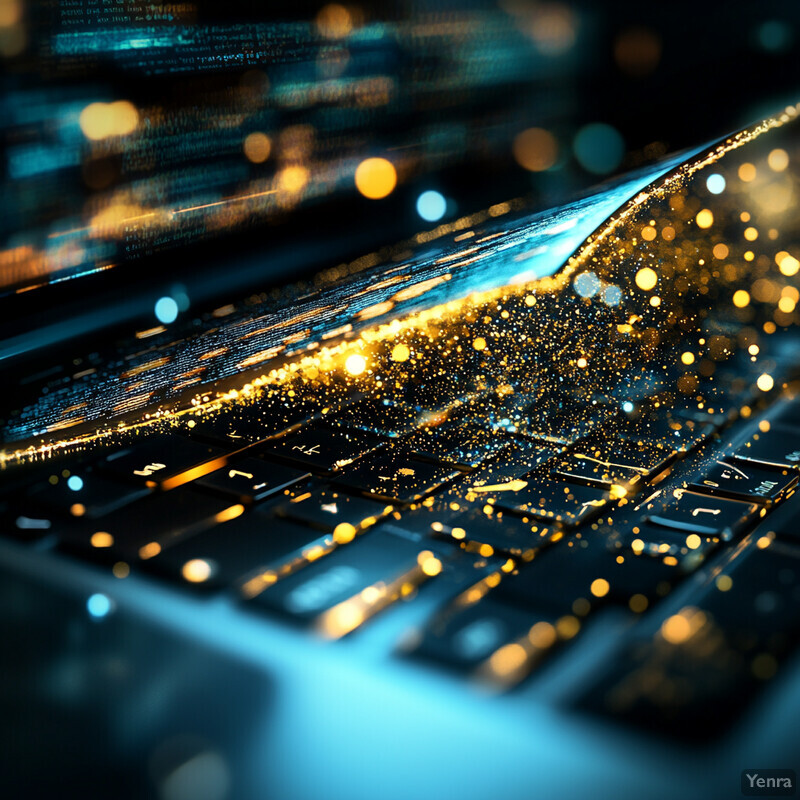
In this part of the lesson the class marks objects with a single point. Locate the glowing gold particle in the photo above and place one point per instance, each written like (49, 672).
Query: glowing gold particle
(101, 539)
(687, 358)
(778, 160)
(535, 149)
(400, 353)
(355, 364)
(103, 120)
(751, 234)
(724, 583)
(343, 533)
(788, 264)
(741, 298)
(479, 343)
(257, 147)
(508, 659)
(376, 178)
(765, 382)
(197, 570)
(676, 629)
(648, 233)
(334, 21)
(646, 279)
(704, 218)
(721, 251)
(747, 172)
(693, 541)
(599, 587)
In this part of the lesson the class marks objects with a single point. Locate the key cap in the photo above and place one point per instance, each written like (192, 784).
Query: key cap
(499, 533)
(745, 480)
(245, 425)
(394, 475)
(577, 571)
(370, 572)
(663, 543)
(623, 462)
(326, 509)
(146, 527)
(696, 674)
(325, 448)
(565, 422)
(464, 635)
(83, 494)
(255, 543)
(689, 512)
(680, 434)
(252, 479)
(465, 446)
(502, 472)
(381, 417)
(780, 446)
(164, 459)
(543, 498)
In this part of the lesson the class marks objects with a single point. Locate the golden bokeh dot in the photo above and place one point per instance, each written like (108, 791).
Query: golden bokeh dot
(646, 278)
(356, 364)
(376, 178)
(198, 570)
(765, 382)
(334, 21)
(747, 173)
(704, 218)
(687, 358)
(257, 147)
(479, 343)
(778, 160)
(535, 149)
(721, 251)
(741, 298)
(648, 233)
(400, 353)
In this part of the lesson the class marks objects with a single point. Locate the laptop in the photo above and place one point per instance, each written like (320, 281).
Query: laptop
(298, 501)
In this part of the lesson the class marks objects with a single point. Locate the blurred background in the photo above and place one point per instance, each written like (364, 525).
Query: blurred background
(133, 127)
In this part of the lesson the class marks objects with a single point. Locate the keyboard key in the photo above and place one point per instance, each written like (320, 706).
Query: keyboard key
(566, 421)
(576, 570)
(253, 543)
(544, 498)
(164, 459)
(381, 417)
(502, 472)
(83, 494)
(148, 526)
(325, 448)
(467, 633)
(670, 545)
(605, 463)
(745, 480)
(466, 446)
(395, 476)
(353, 583)
(701, 514)
(245, 425)
(498, 533)
(681, 434)
(705, 662)
(326, 509)
(780, 445)
(252, 479)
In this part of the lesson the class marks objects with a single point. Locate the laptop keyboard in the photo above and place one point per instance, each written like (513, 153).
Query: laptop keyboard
(517, 526)
(514, 466)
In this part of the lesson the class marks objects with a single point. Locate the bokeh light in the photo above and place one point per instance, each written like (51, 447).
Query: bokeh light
(431, 206)
(599, 148)
(376, 178)
(535, 149)
(166, 310)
